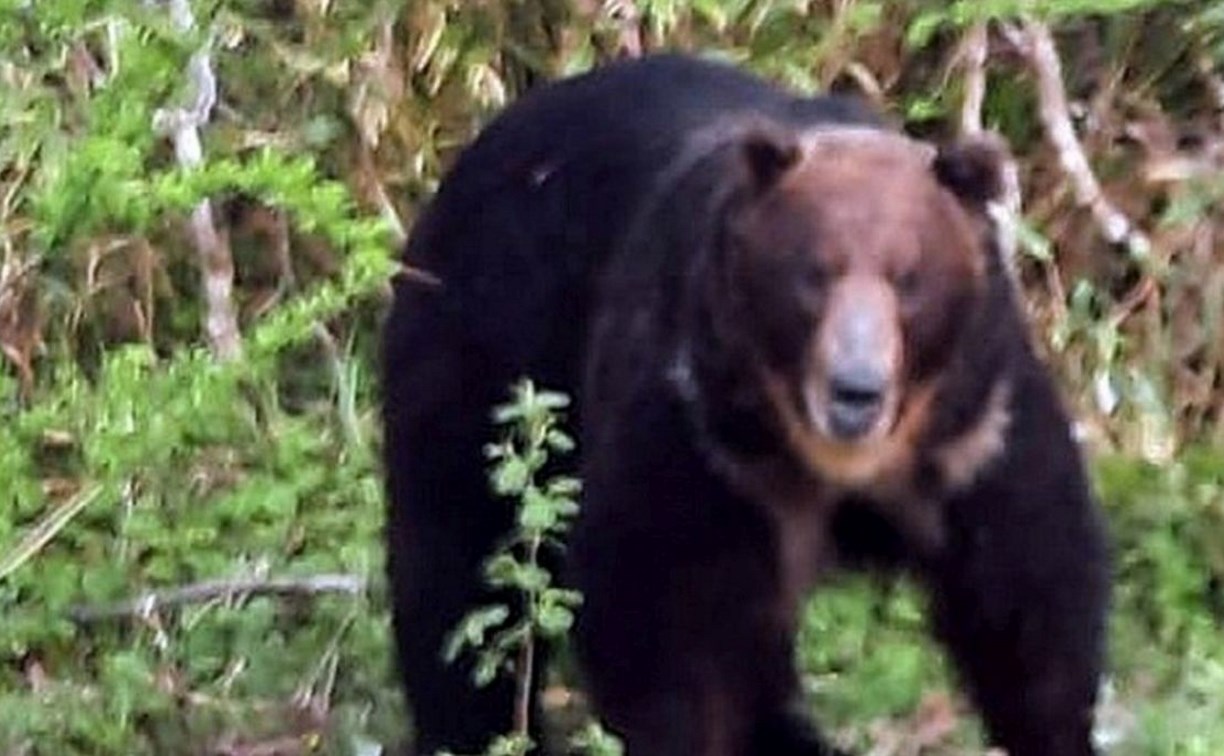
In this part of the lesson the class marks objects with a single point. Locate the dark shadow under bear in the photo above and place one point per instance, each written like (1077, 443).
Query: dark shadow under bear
(794, 348)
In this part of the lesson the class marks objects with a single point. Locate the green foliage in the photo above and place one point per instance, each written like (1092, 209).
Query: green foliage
(1167, 648)
(544, 510)
(594, 740)
(964, 12)
(864, 647)
(188, 482)
(868, 657)
(505, 641)
(1169, 523)
(155, 465)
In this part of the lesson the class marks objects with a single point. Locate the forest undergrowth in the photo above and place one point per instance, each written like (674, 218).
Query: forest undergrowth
(199, 205)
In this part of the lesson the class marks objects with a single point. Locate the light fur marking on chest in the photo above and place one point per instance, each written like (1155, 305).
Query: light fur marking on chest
(963, 458)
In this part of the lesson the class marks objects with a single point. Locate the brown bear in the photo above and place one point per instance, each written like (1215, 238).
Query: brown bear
(794, 349)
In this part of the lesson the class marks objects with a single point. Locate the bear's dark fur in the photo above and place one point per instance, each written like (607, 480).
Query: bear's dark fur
(793, 347)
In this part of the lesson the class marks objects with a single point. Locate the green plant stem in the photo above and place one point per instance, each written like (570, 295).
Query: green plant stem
(526, 664)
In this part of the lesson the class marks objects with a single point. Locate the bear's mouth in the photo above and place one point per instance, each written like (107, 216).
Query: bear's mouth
(855, 440)
(849, 409)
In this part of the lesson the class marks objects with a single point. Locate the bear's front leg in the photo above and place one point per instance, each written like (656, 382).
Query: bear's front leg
(684, 636)
(679, 641)
(1021, 598)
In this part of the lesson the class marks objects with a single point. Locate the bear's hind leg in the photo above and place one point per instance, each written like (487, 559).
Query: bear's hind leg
(438, 583)
(442, 522)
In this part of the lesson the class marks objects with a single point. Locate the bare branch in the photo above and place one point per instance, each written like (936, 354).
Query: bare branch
(1036, 43)
(183, 126)
(1006, 213)
(626, 18)
(975, 48)
(1214, 83)
(148, 603)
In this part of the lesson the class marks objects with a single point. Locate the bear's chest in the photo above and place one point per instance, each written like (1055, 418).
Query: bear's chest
(805, 548)
(819, 531)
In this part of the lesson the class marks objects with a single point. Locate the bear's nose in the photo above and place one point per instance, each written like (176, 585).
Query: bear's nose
(856, 397)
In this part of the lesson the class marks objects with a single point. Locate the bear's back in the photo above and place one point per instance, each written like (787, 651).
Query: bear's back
(615, 117)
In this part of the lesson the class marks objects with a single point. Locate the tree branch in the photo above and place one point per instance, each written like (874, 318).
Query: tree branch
(1006, 213)
(974, 50)
(1035, 42)
(183, 126)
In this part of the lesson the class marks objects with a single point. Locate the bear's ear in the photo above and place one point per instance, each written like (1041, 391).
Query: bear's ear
(769, 153)
(973, 169)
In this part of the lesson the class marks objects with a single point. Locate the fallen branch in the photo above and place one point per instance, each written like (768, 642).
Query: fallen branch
(1036, 44)
(183, 126)
(146, 604)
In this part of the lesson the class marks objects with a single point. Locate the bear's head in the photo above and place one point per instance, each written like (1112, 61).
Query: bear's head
(850, 267)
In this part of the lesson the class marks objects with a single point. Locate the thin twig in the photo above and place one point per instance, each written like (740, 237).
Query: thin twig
(183, 126)
(1035, 42)
(46, 530)
(146, 604)
(526, 662)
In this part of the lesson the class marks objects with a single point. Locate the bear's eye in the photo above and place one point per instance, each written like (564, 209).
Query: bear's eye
(814, 275)
(907, 283)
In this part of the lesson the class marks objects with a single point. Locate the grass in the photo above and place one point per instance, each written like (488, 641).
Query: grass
(239, 673)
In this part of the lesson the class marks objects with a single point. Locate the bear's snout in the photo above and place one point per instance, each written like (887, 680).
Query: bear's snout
(856, 399)
(850, 392)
